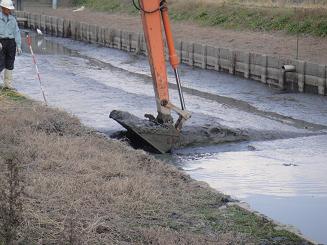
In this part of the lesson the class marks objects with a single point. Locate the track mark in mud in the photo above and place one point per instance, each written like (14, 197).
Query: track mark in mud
(244, 106)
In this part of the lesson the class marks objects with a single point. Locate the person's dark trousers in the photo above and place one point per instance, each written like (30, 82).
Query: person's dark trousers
(7, 54)
(7, 60)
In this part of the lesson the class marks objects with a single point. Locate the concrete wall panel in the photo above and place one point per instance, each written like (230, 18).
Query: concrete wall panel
(314, 81)
(273, 73)
(60, 23)
(54, 25)
(93, 33)
(273, 62)
(43, 23)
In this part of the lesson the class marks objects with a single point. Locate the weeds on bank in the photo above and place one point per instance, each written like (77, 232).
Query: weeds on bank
(109, 6)
(263, 3)
(291, 20)
(11, 191)
(238, 220)
(259, 227)
(237, 14)
(85, 189)
(10, 94)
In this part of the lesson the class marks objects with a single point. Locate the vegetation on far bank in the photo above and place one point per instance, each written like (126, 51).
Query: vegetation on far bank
(258, 15)
(62, 183)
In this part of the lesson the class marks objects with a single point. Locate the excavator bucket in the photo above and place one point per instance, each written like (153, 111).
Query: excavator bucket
(162, 137)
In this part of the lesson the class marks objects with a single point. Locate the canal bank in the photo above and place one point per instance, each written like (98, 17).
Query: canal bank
(275, 71)
(283, 119)
(96, 78)
(75, 185)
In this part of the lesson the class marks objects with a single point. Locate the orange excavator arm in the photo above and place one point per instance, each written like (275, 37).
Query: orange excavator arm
(161, 133)
(155, 15)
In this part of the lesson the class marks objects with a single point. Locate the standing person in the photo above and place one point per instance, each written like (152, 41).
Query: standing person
(10, 41)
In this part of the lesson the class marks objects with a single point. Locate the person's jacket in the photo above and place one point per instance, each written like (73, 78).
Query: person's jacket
(9, 29)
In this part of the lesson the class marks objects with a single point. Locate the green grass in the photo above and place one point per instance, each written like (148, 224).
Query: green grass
(311, 21)
(125, 6)
(238, 220)
(308, 21)
(11, 94)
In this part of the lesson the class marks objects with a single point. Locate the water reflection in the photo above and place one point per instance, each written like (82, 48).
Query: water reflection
(284, 179)
(42, 45)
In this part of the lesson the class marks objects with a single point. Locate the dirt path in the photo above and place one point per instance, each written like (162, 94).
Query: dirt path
(279, 44)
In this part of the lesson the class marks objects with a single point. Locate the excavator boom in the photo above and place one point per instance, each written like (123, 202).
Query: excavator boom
(160, 133)
(151, 20)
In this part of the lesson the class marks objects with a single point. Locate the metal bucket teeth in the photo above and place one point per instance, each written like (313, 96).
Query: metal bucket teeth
(160, 136)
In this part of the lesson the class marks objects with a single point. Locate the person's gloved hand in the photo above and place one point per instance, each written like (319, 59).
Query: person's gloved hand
(19, 51)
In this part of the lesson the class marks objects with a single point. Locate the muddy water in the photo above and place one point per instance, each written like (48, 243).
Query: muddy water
(280, 172)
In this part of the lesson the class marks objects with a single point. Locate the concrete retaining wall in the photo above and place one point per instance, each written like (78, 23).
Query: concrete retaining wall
(308, 77)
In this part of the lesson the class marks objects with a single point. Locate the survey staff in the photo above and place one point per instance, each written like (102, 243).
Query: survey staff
(10, 41)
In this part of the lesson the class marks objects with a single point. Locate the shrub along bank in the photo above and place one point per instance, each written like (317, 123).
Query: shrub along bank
(234, 15)
(63, 183)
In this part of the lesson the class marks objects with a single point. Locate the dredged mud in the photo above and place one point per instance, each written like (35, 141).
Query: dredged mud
(165, 137)
(154, 137)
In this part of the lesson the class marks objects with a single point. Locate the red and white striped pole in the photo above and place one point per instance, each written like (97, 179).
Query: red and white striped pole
(29, 42)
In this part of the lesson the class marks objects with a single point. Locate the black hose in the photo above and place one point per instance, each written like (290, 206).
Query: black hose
(140, 8)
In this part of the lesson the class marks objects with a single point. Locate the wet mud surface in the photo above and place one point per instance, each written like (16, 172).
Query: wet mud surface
(164, 137)
(279, 168)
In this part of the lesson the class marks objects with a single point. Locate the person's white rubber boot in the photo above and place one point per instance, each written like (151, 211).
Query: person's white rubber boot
(7, 79)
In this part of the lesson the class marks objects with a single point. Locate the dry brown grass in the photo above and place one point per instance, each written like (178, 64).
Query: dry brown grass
(11, 193)
(81, 188)
(84, 189)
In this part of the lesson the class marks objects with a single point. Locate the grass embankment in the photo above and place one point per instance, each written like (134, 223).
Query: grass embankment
(255, 15)
(62, 183)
